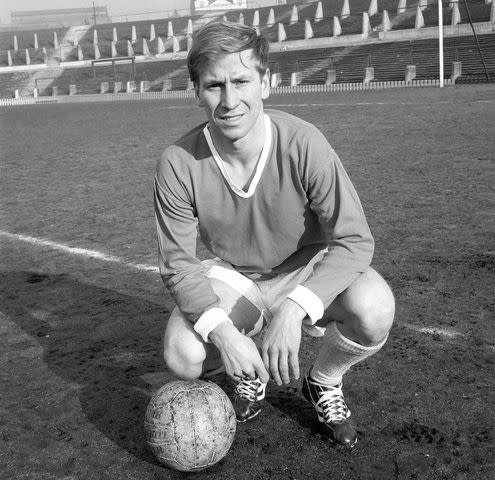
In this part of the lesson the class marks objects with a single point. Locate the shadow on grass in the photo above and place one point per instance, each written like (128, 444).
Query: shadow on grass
(97, 338)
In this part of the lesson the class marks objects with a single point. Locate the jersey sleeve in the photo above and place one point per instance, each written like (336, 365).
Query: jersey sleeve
(350, 244)
(181, 270)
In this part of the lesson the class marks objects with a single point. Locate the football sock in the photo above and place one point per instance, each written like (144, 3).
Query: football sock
(337, 355)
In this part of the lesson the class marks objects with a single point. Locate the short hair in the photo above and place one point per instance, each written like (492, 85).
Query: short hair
(221, 38)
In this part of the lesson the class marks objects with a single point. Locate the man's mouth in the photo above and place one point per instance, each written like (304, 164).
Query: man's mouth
(230, 118)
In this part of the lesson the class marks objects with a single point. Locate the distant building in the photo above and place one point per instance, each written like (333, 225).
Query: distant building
(65, 17)
(204, 6)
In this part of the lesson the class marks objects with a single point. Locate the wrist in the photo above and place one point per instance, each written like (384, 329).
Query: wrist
(292, 311)
(209, 320)
(221, 332)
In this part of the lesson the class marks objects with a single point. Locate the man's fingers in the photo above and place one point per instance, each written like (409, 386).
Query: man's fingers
(262, 373)
(264, 368)
(266, 359)
(274, 368)
(246, 374)
(283, 367)
(294, 365)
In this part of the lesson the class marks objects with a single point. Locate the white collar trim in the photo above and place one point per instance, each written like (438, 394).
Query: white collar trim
(259, 166)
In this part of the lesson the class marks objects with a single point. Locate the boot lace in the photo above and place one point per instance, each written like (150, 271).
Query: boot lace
(251, 390)
(332, 405)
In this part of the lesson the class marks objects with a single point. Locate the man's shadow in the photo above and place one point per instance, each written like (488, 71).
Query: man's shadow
(104, 341)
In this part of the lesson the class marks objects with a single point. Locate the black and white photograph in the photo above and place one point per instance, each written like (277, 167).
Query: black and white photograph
(247, 240)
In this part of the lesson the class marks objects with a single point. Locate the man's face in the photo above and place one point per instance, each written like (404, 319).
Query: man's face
(231, 91)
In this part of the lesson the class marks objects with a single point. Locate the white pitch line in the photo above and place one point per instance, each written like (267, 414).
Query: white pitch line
(443, 332)
(83, 252)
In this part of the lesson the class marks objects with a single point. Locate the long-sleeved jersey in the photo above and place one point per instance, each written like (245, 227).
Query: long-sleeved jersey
(300, 201)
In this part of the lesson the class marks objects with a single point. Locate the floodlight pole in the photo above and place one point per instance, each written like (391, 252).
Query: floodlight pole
(94, 13)
(440, 40)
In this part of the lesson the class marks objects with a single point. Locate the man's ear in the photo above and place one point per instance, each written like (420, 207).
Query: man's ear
(265, 84)
(197, 97)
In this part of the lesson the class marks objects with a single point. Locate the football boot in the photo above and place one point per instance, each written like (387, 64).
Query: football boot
(247, 399)
(332, 411)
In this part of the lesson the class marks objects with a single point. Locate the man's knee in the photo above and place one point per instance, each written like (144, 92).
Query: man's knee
(183, 352)
(377, 315)
(184, 362)
(372, 305)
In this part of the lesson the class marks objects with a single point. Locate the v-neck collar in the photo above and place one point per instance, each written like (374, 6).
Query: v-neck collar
(259, 166)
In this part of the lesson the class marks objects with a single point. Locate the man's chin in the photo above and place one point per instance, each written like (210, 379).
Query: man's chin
(232, 133)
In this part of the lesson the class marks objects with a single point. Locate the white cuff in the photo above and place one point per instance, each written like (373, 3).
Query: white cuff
(308, 301)
(209, 320)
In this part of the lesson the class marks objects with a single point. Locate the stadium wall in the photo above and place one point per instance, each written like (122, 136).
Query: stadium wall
(189, 94)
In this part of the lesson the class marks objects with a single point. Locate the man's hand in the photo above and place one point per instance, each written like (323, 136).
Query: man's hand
(239, 353)
(281, 343)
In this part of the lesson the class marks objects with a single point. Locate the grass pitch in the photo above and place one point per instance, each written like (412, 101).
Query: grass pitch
(82, 308)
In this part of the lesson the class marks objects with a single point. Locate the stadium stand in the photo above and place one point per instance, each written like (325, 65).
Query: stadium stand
(25, 38)
(323, 28)
(389, 60)
(302, 34)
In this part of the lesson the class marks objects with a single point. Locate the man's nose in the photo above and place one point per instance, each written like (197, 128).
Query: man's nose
(230, 97)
